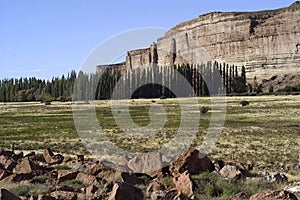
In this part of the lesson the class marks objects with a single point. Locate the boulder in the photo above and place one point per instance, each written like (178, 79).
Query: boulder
(155, 189)
(192, 161)
(280, 178)
(67, 159)
(4, 174)
(101, 170)
(130, 178)
(7, 163)
(80, 159)
(91, 192)
(65, 175)
(231, 172)
(8, 154)
(244, 168)
(122, 191)
(6, 195)
(149, 163)
(122, 161)
(64, 195)
(274, 194)
(294, 188)
(26, 167)
(86, 179)
(184, 184)
(240, 196)
(51, 158)
(45, 197)
(18, 178)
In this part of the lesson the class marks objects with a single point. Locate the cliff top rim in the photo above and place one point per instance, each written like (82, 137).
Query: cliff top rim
(245, 15)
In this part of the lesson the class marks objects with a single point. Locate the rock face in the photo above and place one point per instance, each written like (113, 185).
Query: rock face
(125, 191)
(193, 162)
(184, 184)
(266, 42)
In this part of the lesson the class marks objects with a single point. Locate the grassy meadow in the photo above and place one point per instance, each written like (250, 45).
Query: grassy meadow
(266, 132)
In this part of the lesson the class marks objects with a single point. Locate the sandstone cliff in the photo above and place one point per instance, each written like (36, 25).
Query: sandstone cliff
(266, 42)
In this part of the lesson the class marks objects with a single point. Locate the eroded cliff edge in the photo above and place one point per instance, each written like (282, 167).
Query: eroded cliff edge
(266, 42)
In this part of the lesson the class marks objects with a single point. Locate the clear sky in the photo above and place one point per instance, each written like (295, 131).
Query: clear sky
(45, 38)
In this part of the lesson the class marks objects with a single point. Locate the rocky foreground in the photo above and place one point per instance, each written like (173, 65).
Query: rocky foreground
(95, 180)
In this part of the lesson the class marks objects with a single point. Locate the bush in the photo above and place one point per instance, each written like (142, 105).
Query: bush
(30, 190)
(73, 183)
(62, 167)
(47, 102)
(244, 103)
(40, 179)
(167, 182)
(204, 109)
(212, 185)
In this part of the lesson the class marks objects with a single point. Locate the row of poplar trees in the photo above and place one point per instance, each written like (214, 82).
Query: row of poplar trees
(148, 82)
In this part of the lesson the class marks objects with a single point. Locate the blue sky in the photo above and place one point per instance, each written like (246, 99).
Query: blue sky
(44, 38)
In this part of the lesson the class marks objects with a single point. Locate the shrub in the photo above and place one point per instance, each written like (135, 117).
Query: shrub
(167, 182)
(212, 185)
(61, 167)
(30, 190)
(73, 183)
(47, 102)
(204, 109)
(40, 179)
(244, 103)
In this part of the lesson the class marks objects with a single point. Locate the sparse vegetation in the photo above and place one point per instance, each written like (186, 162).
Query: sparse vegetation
(244, 103)
(204, 109)
(30, 189)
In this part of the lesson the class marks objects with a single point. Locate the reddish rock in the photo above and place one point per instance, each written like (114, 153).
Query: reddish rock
(7, 163)
(184, 184)
(193, 162)
(245, 168)
(67, 159)
(80, 158)
(45, 197)
(65, 175)
(240, 196)
(8, 154)
(122, 161)
(130, 178)
(51, 158)
(155, 187)
(6, 195)
(26, 167)
(231, 172)
(148, 163)
(64, 195)
(18, 178)
(280, 178)
(18, 156)
(294, 188)
(91, 192)
(4, 174)
(274, 194)
(122, 191)
(86, 179)
(101, 170)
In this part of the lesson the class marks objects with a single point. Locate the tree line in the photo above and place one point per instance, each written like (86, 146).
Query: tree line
(130, 84)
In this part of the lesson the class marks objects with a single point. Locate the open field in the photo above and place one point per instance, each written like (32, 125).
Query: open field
(267, 132)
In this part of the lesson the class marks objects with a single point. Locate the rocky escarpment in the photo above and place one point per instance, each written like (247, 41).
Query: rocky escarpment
(267, 43)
